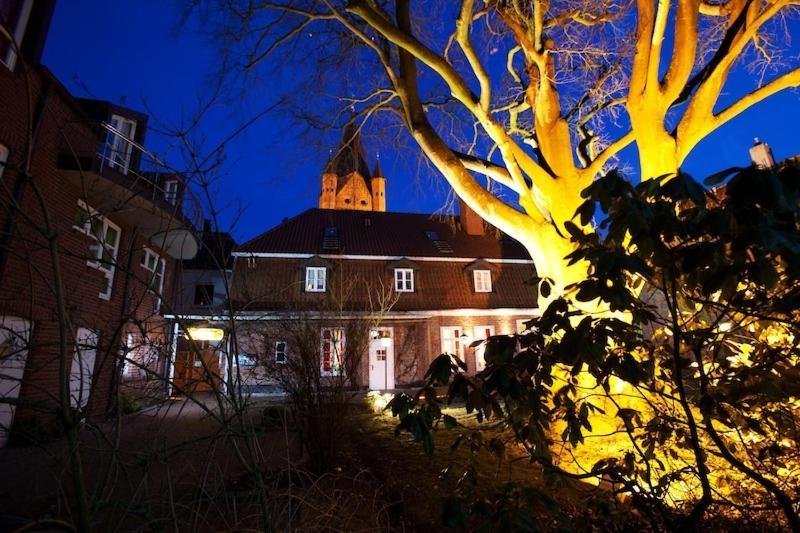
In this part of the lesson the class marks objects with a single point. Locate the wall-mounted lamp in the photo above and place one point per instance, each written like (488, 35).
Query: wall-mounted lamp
(205, 334)
(382, 335)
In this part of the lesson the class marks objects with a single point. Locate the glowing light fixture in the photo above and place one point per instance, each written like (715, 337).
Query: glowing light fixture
(205, 334)
(386, 341)
(381, 335)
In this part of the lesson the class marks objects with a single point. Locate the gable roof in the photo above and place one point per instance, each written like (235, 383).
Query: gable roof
(382, 234)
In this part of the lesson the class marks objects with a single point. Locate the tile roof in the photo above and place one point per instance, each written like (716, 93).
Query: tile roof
(270, 284)
(382, 234)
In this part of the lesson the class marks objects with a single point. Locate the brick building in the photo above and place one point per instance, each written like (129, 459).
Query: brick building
(91, 228)
(421, 284)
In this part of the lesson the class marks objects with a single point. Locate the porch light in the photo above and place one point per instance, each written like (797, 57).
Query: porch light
(386, 340)
(205, 334)
(465, 339)
(381, 335)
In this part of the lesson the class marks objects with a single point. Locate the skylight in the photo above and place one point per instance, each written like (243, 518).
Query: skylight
(443, 247)
(330, 239)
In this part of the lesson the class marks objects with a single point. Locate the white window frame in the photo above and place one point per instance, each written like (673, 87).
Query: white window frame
(284, 351)
(316, 279)
(10, 59)
(3, 159)
(101, 245)
(171, 191)
(148, 257)
(482, 280)
(479, 333)
(129, 368)
(337, 345)
(404, 280)
(121, 148)
(451, 342)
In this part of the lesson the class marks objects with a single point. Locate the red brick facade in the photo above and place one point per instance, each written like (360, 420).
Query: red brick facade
(38, 213)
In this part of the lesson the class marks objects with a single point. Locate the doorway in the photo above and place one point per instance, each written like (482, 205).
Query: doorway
(381, 359)
(82, 371)
(197, 370)
(14, 341)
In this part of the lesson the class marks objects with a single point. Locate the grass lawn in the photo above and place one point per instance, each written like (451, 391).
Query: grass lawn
(413, 484)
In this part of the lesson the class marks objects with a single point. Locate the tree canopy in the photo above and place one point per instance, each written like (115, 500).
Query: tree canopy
(521, 104)
(692, 403)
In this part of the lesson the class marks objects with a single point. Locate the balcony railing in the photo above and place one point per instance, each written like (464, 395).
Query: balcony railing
(102, 149)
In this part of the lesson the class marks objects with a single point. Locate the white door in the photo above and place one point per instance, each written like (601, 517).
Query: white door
(82, 371)
(381, 360)
(14, 341)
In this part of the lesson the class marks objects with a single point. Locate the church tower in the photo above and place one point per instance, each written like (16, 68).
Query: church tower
(378, 186)
(346, 180)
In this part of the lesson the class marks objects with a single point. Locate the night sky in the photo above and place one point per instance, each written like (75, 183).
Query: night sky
(133, 53)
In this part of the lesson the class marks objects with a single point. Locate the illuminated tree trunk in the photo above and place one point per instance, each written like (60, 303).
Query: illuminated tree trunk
(538, 114)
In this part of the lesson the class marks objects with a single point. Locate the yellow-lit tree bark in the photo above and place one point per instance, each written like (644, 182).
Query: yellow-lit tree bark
(658, 67)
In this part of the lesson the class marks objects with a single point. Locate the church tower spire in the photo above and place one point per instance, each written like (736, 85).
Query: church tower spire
(346, 180)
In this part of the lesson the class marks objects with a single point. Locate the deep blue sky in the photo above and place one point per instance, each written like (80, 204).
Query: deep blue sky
(131, 52)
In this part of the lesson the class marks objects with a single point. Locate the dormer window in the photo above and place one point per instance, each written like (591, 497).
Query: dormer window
(171, 191)
(119, 145)
(404, 280)
(15, 15)
(315, 279)
(482, 280)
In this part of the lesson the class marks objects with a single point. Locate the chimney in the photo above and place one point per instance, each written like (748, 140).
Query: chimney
(206, 225)
(761, 154)
(471, 223)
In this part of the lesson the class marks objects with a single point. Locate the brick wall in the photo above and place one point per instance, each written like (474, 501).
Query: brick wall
(416, 342)
(27, 274)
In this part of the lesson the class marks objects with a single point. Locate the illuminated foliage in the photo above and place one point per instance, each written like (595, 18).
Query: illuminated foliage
(536, 97)
(685, 398)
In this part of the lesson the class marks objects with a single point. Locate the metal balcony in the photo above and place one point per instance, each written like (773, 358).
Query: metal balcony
(122, 179)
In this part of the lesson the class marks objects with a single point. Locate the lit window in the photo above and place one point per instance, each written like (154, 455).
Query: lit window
(203, 295)
(332, 351)
(119, 144)
(404, 280)
(481, 333)
(451, 341)
(315, 279)
(3, 159)
(103, 252)
(154, 265)
(246, 359)
(171, 191)
(483, 280)
(15, 14)
(129, 368)
(280, 352)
